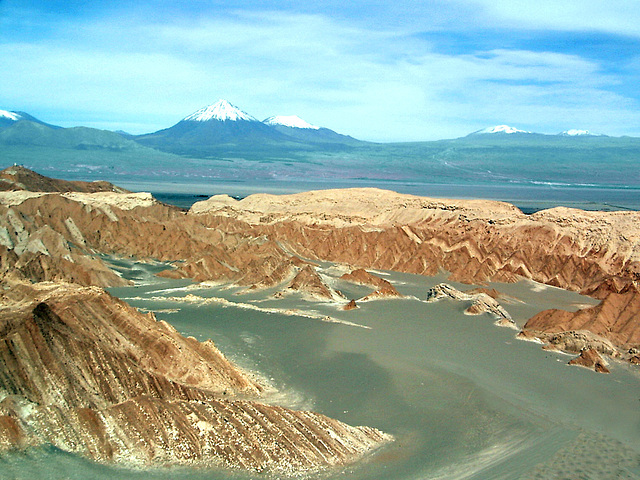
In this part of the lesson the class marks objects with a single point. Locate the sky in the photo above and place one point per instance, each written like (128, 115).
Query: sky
(394, 70)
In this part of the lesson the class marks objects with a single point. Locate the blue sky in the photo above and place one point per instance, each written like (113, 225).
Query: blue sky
(376, 70)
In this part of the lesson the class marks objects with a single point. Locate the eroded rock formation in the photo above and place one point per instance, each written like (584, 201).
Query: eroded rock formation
(595, 253)
(352, 305)
(610, 327)
(308, 282)
(590, 358)
(480, 303)
(260, 242)
(383, 289)
(85, 372)
(474, 240)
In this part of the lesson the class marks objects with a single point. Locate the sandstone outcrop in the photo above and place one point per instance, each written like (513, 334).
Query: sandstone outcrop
(480, 303)
(609, 328)
(59, 236)
(383, 289)
(573, 341)
(260, 241)
(352, 305)
(590, 358)
(88, 374)
(85, 372)
(595, 253)
(308, 282)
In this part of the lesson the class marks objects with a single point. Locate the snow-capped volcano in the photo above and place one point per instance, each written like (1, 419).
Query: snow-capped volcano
(221, 128)
(501, 129)
(10, 115)
(292, 121)
(579, 133)
(222, 111)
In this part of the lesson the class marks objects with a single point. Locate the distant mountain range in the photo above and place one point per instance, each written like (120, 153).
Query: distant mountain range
(220, 141)
(19, 128)
(223, 125)
(508, 130)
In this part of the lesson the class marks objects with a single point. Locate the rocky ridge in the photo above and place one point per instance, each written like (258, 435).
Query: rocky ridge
(609, 327)
(85, 372)
(590, 358)
(18, 178)
(594, 253)
(480, 303)
(259, 241)
(309, 282)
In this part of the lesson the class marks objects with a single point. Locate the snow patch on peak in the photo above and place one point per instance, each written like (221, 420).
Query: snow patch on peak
(502, 129)
(576, 133)
(292, 121)
(221, 110)
(10, 115)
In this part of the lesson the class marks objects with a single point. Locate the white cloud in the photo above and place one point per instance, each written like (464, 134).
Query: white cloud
(372, 84)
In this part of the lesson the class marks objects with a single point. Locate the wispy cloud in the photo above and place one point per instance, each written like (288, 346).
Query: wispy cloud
(620, 18)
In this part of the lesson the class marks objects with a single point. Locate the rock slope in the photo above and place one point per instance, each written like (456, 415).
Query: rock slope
(19, 178)
(88, 374)
(474, 240)
(590, 358)
(260, 241)
(480, 303)
(383, 289)
(308, 282)
(611, 327)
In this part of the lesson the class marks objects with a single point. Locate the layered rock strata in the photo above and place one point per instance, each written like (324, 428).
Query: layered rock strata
(260, 240)
(474, 240)
(610, 328)
(88, 374)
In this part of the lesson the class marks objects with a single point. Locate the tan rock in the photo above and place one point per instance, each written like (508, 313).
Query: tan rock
(308, 282)
(590, 358)
(481, 303)
(382, 287)
(352, 305)
(614, 319)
